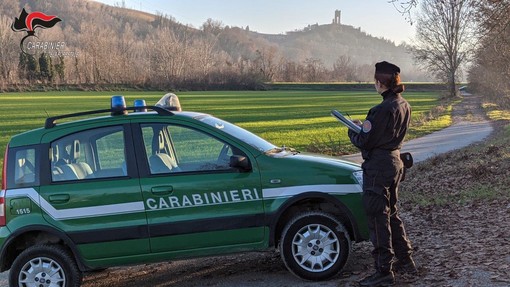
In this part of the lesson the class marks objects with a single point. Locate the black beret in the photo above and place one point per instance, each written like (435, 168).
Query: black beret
(386, 68)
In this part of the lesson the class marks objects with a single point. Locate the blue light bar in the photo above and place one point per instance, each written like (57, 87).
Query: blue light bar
(118, 106)
(139, 104)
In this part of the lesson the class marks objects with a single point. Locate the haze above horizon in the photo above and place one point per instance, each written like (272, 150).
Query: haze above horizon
(375, 17)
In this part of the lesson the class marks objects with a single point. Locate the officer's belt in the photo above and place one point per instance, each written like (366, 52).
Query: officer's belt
(379, 151)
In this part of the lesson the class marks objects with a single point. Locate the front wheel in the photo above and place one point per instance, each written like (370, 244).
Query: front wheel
(45, 266)
(315, 246)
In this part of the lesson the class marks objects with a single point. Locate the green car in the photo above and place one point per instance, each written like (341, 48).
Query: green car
(138, 186)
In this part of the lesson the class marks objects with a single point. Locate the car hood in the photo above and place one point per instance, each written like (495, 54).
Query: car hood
(292, 168)
(311, 158)
(305, 171)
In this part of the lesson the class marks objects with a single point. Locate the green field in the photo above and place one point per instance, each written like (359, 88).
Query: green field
(298, 119)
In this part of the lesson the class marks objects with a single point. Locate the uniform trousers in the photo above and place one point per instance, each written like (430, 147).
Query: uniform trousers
(387, 233)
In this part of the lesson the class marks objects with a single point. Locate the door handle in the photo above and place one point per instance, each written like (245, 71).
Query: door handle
(161, 190)
(59, 198)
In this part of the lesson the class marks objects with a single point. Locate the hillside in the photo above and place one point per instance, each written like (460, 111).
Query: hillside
(325, 42)
(118, 46)
(329, 41)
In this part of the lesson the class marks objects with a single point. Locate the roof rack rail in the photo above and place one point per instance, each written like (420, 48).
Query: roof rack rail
(52, 121)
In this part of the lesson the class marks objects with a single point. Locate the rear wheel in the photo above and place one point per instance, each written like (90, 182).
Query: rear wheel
(315, 246)
(45, 266)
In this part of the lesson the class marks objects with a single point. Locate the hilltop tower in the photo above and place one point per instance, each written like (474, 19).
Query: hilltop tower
(336, 20)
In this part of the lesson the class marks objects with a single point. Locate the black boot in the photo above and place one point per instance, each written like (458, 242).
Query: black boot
(406, 267)
(378, 279)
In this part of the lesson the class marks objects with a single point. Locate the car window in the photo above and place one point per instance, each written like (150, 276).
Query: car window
(109, 148)
(24, 167)
(172, 148)
(96, 153)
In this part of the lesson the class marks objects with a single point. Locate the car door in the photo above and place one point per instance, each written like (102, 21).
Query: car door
(194, 199)
(94, 194)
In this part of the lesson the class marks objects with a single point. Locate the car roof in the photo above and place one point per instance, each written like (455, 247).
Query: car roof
(34, 136)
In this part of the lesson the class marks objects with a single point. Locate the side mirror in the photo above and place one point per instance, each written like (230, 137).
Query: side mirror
(240, 162)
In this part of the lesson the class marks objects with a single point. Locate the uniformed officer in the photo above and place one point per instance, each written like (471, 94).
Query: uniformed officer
(380, 141)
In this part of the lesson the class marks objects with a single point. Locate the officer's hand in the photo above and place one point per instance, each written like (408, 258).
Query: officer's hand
(358, 122)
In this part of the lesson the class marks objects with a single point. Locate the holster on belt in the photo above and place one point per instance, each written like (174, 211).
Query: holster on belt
(407, 160)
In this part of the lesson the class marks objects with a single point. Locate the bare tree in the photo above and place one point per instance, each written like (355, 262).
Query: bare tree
(492, 17)
(8, 52)
(405, 7)
(289, 71)
(212, 26)
(490, 72)
(267, 62)
(314, 70)
(344, 69)
(205, 49)
(445, 38)
(165, 58)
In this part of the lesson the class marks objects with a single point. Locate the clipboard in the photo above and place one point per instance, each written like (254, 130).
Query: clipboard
(345, 121)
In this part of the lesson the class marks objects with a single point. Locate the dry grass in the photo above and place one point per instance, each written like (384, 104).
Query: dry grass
(455, 208)
(478, 172)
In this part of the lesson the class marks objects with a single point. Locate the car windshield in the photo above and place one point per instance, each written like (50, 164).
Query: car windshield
(239, 133)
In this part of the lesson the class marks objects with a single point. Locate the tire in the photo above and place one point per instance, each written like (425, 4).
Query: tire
(315, 246)
(51, 263)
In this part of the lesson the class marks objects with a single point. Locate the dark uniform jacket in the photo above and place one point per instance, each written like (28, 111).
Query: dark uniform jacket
(380, 141)
(383, 132)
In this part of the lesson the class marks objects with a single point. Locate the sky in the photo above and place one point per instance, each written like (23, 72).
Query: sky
(375, 17)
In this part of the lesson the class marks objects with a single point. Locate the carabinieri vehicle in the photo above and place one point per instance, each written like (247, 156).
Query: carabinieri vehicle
(164, 184)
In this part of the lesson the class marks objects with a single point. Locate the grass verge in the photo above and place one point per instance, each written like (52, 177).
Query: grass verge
(478, 173)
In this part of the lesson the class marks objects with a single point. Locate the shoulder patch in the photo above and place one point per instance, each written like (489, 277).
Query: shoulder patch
(367, 126)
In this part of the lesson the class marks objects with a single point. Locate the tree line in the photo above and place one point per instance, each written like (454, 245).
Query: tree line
(117, 46)
(452, 34)
(490, 73)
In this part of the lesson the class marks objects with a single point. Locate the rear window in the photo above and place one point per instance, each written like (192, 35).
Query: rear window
(22, 170)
